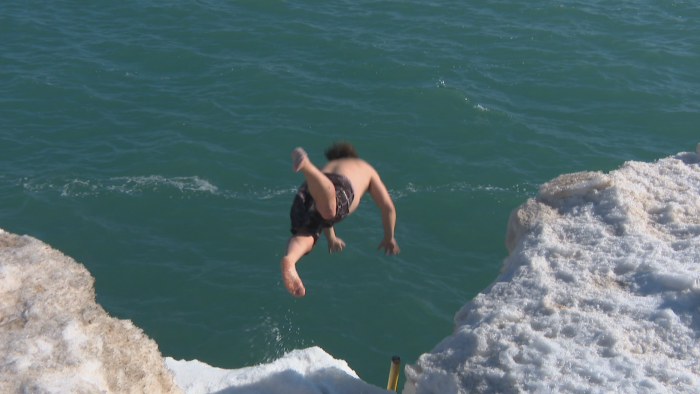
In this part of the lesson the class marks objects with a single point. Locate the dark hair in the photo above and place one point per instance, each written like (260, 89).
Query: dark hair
(340, 149)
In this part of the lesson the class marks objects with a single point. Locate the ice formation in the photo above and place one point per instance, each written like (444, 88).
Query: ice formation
(308, 371)
(54, 337)
(600, 292)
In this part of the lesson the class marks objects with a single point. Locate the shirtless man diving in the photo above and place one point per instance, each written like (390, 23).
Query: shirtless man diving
(327, 197)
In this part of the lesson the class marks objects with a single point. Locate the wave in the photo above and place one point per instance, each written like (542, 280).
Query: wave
(136, 186)
(518, 190)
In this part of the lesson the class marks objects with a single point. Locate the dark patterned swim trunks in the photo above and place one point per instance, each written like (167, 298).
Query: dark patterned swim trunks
(304, 215)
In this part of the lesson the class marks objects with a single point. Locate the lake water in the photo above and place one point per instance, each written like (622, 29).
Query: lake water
(150, 141)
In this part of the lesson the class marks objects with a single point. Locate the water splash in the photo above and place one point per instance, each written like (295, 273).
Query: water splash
(277, 335)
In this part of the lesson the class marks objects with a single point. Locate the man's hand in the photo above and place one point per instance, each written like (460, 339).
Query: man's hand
(390, 246)
(335, 244)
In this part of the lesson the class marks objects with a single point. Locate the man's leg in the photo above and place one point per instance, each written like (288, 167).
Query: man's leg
(320, 187)
(297, 246)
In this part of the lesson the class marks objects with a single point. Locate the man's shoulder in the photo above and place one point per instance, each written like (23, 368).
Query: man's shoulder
(356, 169)
(364, 166)
(352, 161)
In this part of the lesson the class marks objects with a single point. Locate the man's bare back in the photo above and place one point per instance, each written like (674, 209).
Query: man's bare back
(327, 197)
(360, 173)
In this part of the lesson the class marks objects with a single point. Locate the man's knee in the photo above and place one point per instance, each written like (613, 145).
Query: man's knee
(327, 211)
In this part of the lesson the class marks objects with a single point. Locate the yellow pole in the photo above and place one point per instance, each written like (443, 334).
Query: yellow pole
(394, 373)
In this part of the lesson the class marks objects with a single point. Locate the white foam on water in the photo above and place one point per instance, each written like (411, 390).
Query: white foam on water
(410, 188)
(278, 336)
(600, 292)
(139, 183)
(179, 187)
(124, 185)
(267, 194)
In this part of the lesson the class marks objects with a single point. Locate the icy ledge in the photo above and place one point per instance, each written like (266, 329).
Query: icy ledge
(54, 338)
(308, 371)
(600, 292)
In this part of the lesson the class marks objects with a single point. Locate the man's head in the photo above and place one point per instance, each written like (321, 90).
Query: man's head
(340, 149)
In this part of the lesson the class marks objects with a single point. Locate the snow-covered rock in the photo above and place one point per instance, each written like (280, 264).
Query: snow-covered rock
(54, 337)
(600, 292)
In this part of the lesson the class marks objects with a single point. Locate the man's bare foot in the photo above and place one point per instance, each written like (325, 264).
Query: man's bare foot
(300, 158)
(291, 278)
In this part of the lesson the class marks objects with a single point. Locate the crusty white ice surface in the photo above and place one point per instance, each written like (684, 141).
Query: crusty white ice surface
(600, 292)
(54, 338)
(308, 371)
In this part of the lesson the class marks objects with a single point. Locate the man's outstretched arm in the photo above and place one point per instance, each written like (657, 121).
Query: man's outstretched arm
(381, 197)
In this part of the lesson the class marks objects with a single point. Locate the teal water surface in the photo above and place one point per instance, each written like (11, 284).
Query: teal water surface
(150, 141)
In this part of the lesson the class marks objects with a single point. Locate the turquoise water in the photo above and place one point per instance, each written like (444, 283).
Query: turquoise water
(150, 141)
